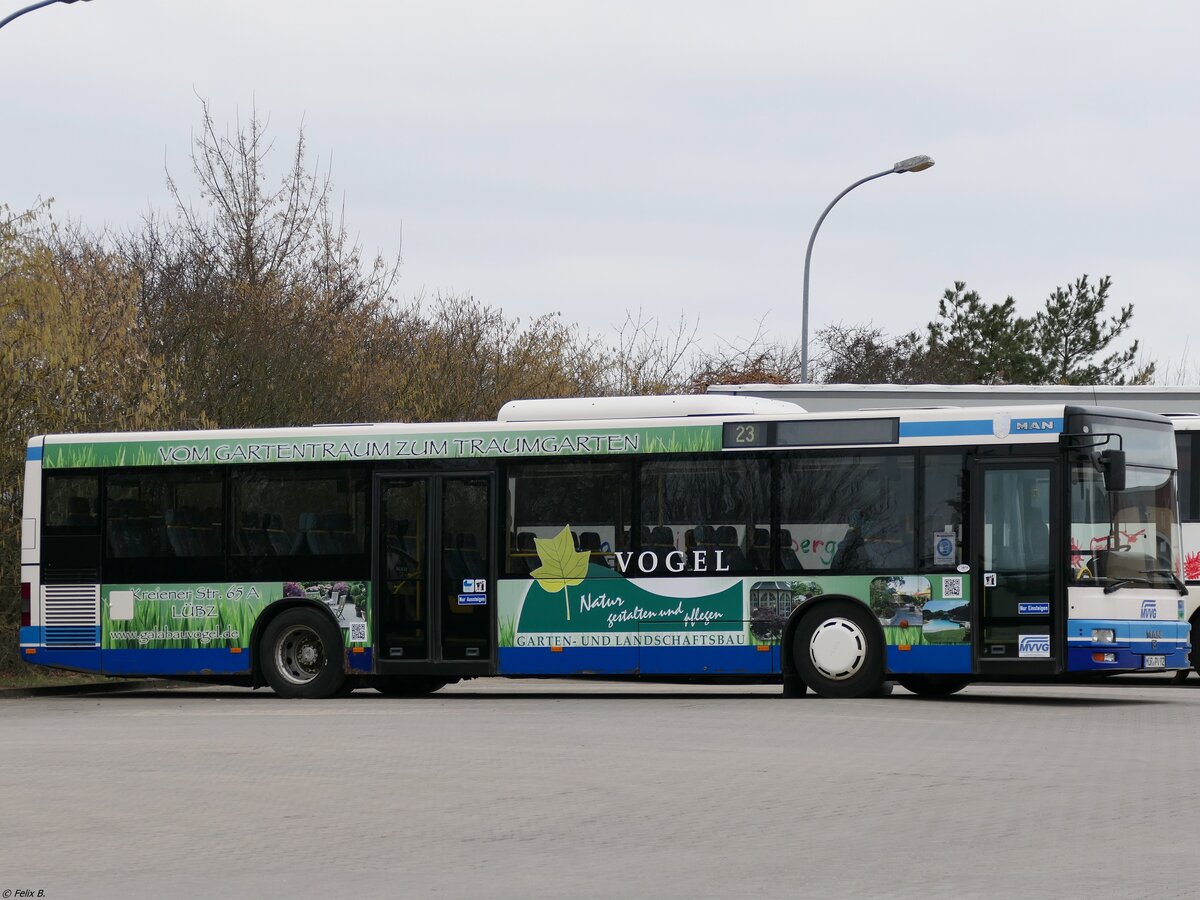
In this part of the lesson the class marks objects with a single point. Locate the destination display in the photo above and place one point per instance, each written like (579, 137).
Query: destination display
(807, 433)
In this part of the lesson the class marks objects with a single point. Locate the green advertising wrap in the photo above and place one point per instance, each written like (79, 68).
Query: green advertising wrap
(220, 614)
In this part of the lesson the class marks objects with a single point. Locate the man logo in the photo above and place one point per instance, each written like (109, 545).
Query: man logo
(1149, 609)
(1034, 646)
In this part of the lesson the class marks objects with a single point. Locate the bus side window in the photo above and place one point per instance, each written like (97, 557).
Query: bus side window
(706, 515)
(70, 504)
(848, 513)
(592, 496)
(943, 509)
(71, 524)
(300, 522)
(1189, 503)
(164, 525)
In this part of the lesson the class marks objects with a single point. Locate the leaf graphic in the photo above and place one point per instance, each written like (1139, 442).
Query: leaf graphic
(562, 565)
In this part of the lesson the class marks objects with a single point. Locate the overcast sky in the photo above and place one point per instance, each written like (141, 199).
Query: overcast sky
(595, 157)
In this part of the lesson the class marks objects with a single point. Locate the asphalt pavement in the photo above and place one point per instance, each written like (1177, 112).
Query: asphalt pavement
(591, 789)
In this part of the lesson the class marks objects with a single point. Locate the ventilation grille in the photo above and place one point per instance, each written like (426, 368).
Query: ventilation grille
(71, 615)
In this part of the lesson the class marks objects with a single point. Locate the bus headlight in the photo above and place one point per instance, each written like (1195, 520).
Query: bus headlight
(1104, 636)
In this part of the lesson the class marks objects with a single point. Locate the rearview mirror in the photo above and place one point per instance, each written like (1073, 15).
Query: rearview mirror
(1112, 464)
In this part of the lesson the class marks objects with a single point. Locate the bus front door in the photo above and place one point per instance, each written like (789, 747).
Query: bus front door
(1015, 533)
(434, 574)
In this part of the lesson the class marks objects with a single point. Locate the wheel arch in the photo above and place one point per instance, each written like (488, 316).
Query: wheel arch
(1194, 622)
(786, 663)
(272, 612)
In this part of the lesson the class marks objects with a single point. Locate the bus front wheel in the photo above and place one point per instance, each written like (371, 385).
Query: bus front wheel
(301, 654)
(838, 650)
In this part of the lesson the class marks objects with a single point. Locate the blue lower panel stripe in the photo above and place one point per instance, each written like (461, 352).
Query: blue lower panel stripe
(932, 659)
(634, 660)
(163, 662)
(706, 661)
(181, 661)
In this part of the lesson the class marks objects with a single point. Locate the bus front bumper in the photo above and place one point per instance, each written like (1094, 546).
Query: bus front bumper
(1143, 646)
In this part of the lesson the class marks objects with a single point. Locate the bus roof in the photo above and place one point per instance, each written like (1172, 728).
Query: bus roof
(1159, 399)
(650, 407)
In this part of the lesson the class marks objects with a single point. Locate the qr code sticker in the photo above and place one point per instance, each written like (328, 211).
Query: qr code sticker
(358, 631)
(952, 588)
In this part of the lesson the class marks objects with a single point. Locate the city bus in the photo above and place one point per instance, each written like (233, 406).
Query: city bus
(667, 538)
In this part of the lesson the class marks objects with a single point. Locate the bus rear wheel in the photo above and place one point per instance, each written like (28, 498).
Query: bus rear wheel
(406, 685)
(301, 654)
(838, 650)
(932, 685)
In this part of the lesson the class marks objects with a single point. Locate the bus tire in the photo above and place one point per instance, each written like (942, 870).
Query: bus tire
(301, 653)
(932, 685)
(838, 650)
(406, 685)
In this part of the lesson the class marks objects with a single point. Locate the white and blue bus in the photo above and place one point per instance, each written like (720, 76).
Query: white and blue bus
(656, 537)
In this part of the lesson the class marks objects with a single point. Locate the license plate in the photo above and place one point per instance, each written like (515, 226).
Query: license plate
(1155, 662)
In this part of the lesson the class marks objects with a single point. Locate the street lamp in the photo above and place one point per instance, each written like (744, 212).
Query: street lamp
(31, 8)
(912, 164)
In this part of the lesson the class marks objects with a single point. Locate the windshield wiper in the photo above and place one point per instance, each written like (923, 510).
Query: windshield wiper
(1110, 584)
(1117, 583)
(1169, 573)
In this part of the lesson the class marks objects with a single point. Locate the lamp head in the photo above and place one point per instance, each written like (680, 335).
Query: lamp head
(913, 164)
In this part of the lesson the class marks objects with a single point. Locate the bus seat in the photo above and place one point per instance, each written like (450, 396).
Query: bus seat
(760, 550)
(525, 558)
(662, 542)
(279, 540)
(304, 544)
(706, 537)
(788, 560)
(252, 535)
(727, 542)
(207, 531)
(590, 541)
(181, 539)
(662, 538)
(340, 532)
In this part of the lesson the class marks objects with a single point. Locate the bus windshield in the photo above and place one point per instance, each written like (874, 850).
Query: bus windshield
(1123, 537)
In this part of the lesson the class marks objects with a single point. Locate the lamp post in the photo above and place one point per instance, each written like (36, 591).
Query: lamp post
(31, 8)
(912, 164)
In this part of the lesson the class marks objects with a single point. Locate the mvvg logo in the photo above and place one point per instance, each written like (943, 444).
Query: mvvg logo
(1149, 609)
(1034, 645)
